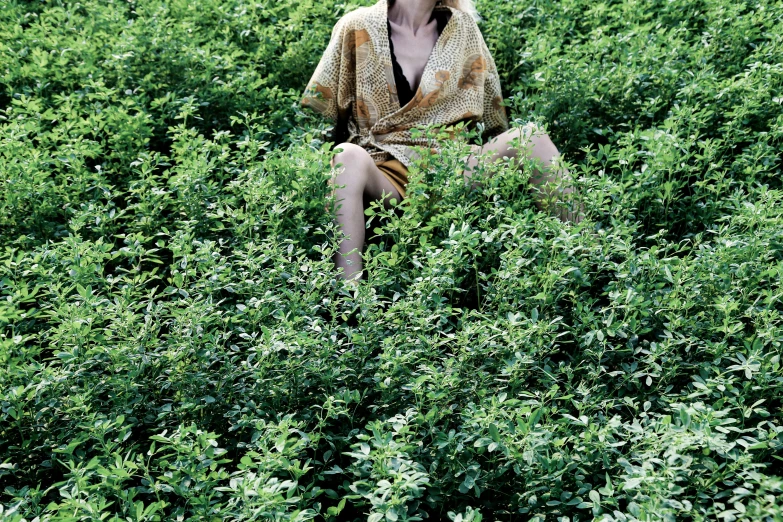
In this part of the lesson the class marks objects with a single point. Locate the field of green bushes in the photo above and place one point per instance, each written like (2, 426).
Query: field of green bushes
(175, 343)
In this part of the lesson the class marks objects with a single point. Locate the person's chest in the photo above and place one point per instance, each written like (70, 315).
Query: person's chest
(413, 51)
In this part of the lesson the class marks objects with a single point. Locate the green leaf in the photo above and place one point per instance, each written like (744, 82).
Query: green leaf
(482, 442)
(493, 432)
(467, 483)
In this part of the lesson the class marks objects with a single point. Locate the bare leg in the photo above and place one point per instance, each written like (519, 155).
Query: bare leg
(358, 176)
(532, 143)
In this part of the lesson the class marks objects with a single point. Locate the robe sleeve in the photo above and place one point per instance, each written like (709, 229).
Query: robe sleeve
(494, 115)
(330, 91)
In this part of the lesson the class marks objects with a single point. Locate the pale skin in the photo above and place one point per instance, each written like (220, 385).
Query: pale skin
(414, 36)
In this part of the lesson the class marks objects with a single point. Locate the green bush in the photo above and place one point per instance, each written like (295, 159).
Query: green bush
(175, 342)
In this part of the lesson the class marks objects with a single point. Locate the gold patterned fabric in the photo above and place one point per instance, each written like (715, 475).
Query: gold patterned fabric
(396, 173)
(354, 83)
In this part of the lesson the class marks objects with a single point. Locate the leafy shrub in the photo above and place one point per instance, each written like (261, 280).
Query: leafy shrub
(175, 342)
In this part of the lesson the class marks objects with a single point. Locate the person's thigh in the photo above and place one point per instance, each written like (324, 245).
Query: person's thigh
(378, 186)
(511, 143)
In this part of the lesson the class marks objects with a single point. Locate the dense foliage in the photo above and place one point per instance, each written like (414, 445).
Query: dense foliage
(175, 343)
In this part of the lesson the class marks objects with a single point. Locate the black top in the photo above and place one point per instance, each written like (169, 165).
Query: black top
(404, 90)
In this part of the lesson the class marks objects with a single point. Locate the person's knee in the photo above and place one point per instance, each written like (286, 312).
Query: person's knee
(522, 136)
(534, 142)
(350, 154)
(354, 160)
(535, 134)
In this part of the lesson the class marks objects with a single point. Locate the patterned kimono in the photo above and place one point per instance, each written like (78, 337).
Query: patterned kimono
(354, 82)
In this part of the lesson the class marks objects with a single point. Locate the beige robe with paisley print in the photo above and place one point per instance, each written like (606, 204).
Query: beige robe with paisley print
(354, 82)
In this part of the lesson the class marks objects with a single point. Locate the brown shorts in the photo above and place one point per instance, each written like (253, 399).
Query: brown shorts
(396, 173)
